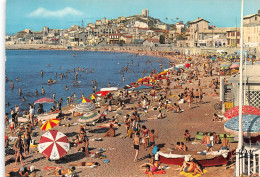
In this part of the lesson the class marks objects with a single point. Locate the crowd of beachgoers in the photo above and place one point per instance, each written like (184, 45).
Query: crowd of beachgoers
(160, 112)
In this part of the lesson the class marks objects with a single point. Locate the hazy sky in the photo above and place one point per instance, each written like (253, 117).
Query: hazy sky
(61, 14)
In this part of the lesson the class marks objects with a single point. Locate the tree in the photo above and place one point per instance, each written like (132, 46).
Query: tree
(162, 39)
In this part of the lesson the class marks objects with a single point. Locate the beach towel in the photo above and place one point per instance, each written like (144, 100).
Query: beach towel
(191, 174)
(157, 172)
(155, 149)
(51, 168)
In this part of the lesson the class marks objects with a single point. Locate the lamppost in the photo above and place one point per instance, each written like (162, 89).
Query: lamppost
(240, 136)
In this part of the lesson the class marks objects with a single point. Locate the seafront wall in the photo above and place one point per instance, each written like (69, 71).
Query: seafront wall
(124, 48)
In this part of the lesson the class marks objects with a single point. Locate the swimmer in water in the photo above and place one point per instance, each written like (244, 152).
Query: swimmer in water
(12, 84)
(67, 87)
(6, 79)
(24, 99)
(20, 91)
(17, 80)
(41, 73)
(43, 91)
(36, 92)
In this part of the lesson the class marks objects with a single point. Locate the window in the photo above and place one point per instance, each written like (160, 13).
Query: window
(238, 41)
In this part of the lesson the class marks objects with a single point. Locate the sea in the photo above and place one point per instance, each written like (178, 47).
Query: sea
(24, 67)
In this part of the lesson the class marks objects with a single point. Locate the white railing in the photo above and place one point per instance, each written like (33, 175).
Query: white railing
(247, 161)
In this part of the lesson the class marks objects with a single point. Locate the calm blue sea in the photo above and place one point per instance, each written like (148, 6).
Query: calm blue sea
(26, 65)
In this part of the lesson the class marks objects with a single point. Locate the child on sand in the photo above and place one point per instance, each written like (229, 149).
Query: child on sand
(178, 146)
(186, 136)
(136, 144)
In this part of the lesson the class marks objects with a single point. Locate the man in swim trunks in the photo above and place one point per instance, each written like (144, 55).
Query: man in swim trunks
(196, 94)
(12, 126)
(209, 145)
(225, 143)
(136, 143)
(152, 137)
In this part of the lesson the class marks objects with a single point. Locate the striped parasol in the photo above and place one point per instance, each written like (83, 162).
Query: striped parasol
(53, 145)
(92, 96)
(89, 117)
(83, 100)
(50, 124)
(84, 107)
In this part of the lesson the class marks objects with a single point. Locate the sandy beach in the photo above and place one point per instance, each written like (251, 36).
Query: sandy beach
(119, 149)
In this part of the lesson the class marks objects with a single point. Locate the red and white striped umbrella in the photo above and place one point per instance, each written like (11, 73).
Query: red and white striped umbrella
(54, 145)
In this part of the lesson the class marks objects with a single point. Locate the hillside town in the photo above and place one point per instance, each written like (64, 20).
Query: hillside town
(145, 30)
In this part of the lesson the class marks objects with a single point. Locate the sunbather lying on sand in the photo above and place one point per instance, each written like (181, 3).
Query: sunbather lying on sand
(154, 165)
(84, 164)
(111, 132)
(58, 171)
(158, 116)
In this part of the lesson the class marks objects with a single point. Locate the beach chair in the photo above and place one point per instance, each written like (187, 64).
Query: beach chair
(228, 105)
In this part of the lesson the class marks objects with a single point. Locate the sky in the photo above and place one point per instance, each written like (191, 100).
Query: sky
(61, 14)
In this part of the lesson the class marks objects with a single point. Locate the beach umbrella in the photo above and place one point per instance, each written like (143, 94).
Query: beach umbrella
(83, 100)
(89, 117)
(102, 93)
(233, 112)
(44, 100)
(224, 66)
(92, 96)
(50, 124)
(250, 125)
(53, 145)
(84, 107)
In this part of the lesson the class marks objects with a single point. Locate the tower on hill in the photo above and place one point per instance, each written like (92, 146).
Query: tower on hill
(145, 12)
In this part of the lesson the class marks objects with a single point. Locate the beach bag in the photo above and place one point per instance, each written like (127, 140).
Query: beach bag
(155, 149)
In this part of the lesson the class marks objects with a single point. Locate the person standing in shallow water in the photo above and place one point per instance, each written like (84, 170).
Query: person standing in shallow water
(20, 91)
(43, 91)
(36, 92)
(12, 84)
(41, 73)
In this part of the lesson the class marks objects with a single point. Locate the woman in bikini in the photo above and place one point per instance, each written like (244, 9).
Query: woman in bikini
(153, 164)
